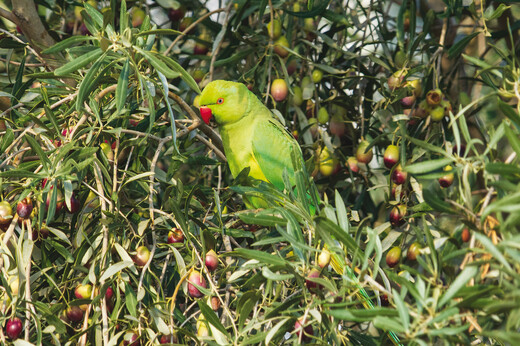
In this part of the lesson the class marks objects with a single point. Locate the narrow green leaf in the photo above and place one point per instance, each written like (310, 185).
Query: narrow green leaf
(268, 240)
(300, 186)
(262, 7)
(502, 168)
(272, 332)
(59, 234)
(52, 202)
(497, 255)
(427, 166)
(389, 324)
(402, 309)
(86, 83)
(158, 316)
(20, 174)
(433, 200)
(443, 316)
(78, 62)
(260, 256)
(245, 305)
(513, 140)
(50, 75)
(293, 228)
(157, 63)
(130, 300)
(122, 86)
(410, 286)
(138, 176)
(183, 73)
(62, 250)
(123, 17)
(458, 47)
(270, 275)
(449, 330)
(50, 115)
(331, 228)
(264, 217)
(234, 58)
(181, 266)
(254, 339)
(509, 112)
(211, 317)
(400, 24)
(496, 136)
(463, 128)
(461, 280)
(361, 315)
(496, 13)
(66, 43)
(18, 88)
(476, 61)
(6, 139)
(96, 16)
(159, 32)
(505, 337)
(510, 203)
(427, 146)
(38, 150)
(341, 213)
(114, 269)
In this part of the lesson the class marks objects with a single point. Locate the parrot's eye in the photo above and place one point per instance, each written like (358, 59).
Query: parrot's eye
(220, 101)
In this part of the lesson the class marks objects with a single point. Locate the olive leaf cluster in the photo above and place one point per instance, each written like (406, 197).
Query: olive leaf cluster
(121, 222)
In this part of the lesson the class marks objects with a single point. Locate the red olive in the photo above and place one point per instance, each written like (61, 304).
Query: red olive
(196, 278)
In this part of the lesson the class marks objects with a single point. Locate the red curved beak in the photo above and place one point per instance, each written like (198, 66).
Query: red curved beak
(205, 113)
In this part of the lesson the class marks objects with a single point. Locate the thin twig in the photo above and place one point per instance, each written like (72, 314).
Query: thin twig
(271, 48)
(469, 212)
(15, 63)
(215, 290)
(217, 50)
(24, 43)
(145, 268)
(210, 145)
(174, 295)
(9, 233)
(114, 173)
(215, 138)
(11, 108)
(8, 15)
(189, 28)
(28, 128)
(145, 135)
(105, 91)
(28, 302)
(163, 272)
(104, 248)
(8, 159)
(440, 50)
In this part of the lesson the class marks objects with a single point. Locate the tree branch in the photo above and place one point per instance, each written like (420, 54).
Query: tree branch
(25, 15)
(8, 15)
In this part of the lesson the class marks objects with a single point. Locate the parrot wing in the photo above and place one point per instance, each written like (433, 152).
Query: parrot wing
(272, 146)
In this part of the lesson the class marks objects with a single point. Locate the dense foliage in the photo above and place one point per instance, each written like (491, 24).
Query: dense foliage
(123, 225)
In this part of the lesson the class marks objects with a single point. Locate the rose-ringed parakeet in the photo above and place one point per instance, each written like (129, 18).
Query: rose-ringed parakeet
(251, 136)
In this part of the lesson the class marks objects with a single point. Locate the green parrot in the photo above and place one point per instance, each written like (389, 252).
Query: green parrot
(251, 136)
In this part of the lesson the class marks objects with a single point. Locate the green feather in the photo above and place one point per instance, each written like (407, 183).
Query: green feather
(251, 136)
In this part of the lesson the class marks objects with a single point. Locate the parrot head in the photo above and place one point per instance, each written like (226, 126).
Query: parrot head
(225, 101)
